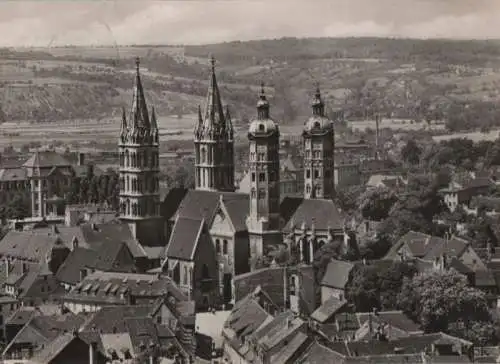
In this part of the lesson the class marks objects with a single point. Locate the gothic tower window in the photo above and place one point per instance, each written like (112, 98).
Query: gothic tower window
(225, 246)
(127, 157)
(217, 246)
(185, 280)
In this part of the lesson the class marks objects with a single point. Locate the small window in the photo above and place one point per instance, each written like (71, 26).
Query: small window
(225, 246)
(308, 173)
(253, 176)
(262, 177)
(217, 245)
(316, 124)
(261, 127)
(316, 173)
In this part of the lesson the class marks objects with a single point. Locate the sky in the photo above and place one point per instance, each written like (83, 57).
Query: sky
(46, 23)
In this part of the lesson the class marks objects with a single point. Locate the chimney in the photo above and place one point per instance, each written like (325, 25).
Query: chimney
(81, 159)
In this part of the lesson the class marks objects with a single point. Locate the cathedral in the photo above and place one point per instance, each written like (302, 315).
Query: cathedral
(206, 236)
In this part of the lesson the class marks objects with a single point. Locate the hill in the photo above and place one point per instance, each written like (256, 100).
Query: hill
(458, 81)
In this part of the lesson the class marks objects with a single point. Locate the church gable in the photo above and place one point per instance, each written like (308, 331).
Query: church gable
(221, 223)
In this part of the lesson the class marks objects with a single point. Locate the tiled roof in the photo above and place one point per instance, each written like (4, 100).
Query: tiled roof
(29, 245)
(42, 330)
(396, 319)
(105, 258)
(272, 326)
(184, 239)
(245, 318)
(327, 309)
(111, 319)
(112, 288)
(46, 159)
(12, 174)
(324, 213)
(39, 285)
(50, 351)
(288, 351)
(319, 354)
(199, 204)
(238, 211)
(337, 274)
(117, 232)
(428, 247)
(21, 316)
(490, 203)
(142, 331)
(271, 280)
(479, 182)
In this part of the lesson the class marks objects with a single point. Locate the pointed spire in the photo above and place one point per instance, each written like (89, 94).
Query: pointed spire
(317, 103)
(262, 104)
(124, 127)
(214, 113)
(154, 126)
(229, 123)
(139, 117)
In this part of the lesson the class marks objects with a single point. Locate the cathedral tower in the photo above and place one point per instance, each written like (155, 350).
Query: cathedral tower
(318, 136)
(263, 222)
(213, 140)
(139, 169)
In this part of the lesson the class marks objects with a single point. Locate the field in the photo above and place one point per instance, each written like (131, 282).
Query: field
(74, 91)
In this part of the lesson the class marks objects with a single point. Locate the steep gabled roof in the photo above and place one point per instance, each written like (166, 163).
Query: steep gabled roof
(322, 212)
(337, 274)
(46, 159)
(184, 239)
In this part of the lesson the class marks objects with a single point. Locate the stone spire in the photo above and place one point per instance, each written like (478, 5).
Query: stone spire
(124, 126)
(317, 104)
(262, 104)
(214, 113)
(229, 123)
(154, 126)
(139, 117)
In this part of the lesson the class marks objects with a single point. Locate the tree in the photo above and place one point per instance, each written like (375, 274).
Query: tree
(377, 286)
(323, 256)
(411, 152)
(443, 301)
(375, 204)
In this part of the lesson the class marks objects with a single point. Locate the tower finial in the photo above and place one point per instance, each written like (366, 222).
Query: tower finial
(137, 64)
(212, 62)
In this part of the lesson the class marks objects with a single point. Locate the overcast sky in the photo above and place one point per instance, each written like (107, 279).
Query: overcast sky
(43, 23)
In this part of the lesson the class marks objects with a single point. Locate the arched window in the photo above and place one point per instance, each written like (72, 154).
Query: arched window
(261, 127)
(128, 207)
(185, 280)
(308, 188)
(217, 246)
(191, 282)
(127, 159)
(316, 124)
(127, 187)
(224, 246)
(203, 155)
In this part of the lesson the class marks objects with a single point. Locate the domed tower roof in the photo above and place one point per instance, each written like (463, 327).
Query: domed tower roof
(263, 125)
(318, 123)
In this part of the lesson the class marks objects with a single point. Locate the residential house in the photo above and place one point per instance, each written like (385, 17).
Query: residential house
(291, 288)
(100, 289)
(457, 194)
(335, 279)
(113, 256)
